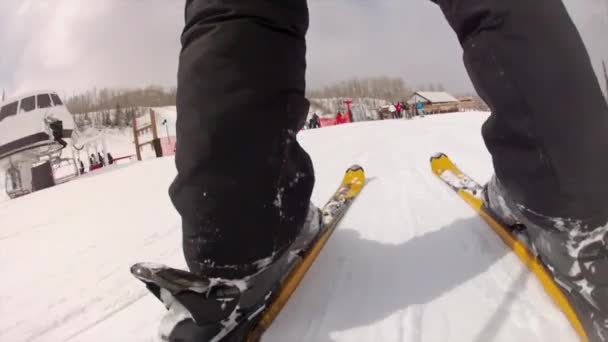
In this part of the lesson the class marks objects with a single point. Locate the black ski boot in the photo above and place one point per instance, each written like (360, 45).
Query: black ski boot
(575, 252)
(204, 309)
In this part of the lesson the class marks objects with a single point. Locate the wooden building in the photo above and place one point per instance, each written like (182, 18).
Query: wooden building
(435, 102)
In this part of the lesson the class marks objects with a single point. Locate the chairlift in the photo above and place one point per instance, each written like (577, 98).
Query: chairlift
(26, 143)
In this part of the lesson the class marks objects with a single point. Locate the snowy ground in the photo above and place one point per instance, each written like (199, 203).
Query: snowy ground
(410, 262)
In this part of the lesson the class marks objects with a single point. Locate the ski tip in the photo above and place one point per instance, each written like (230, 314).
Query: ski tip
(145, 271)
(355, 167)
(438, 155)
(172, 279)
(441, 162)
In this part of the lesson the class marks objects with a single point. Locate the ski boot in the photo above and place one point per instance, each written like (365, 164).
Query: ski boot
(575, 255)
(204, 309)
(494, 200)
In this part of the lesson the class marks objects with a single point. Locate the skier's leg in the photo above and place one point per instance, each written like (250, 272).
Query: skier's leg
(528, 62)
(244, 183)
(549, 122)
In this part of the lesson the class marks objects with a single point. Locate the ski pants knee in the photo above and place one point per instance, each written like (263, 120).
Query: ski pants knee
(244, 183)
(549, 123)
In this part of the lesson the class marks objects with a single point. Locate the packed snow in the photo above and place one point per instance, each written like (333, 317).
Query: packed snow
(409, 262)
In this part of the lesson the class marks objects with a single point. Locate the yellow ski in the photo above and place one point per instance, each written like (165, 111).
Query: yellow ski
(333, 211)
(471, 191)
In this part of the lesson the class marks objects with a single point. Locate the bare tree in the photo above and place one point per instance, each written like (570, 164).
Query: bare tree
(106, 99)
(392, 89)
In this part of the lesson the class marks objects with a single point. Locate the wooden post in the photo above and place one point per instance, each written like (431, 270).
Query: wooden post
(155, 142)
(153, 123)
(156, 145)
(136, 137)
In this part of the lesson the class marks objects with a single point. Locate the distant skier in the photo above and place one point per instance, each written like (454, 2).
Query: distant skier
(243, 185)
(397, 110)
(81, 166)
(110, 159)
(392, 111)
(341, 118)
(420, 109)
(93, 162)
(407, 110)
(314, 121)
(338, 118)
(101, 160)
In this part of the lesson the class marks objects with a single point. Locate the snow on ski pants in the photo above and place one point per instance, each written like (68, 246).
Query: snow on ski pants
(244, 183)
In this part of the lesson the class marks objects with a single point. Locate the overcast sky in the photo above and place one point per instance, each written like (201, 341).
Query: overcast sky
(71, 45)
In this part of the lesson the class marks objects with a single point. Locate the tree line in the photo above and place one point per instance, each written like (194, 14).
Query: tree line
(107, 99)
(387, 88)
(97, 100)
(110, 107)
(391, 89)
(118, 117)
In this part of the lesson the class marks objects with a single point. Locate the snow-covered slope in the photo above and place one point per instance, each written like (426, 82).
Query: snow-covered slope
(410, 262)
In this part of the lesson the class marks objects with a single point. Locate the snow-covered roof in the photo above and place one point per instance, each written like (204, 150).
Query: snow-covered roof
(436, 96)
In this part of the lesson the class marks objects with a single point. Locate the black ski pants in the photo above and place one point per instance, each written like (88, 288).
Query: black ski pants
(244, 183)
(547, 131)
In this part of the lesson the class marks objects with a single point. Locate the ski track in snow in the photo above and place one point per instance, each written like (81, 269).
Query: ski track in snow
(410, 261)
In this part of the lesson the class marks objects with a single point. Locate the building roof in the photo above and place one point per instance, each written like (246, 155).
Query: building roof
(436, 96)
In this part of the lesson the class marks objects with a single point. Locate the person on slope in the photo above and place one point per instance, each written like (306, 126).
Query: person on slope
(55, 129)
(397, 110)
(314, 121)
(341, 118)
(393, 111)
(547, 171)
(101, 159)
(81, 166)
(420, 109)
